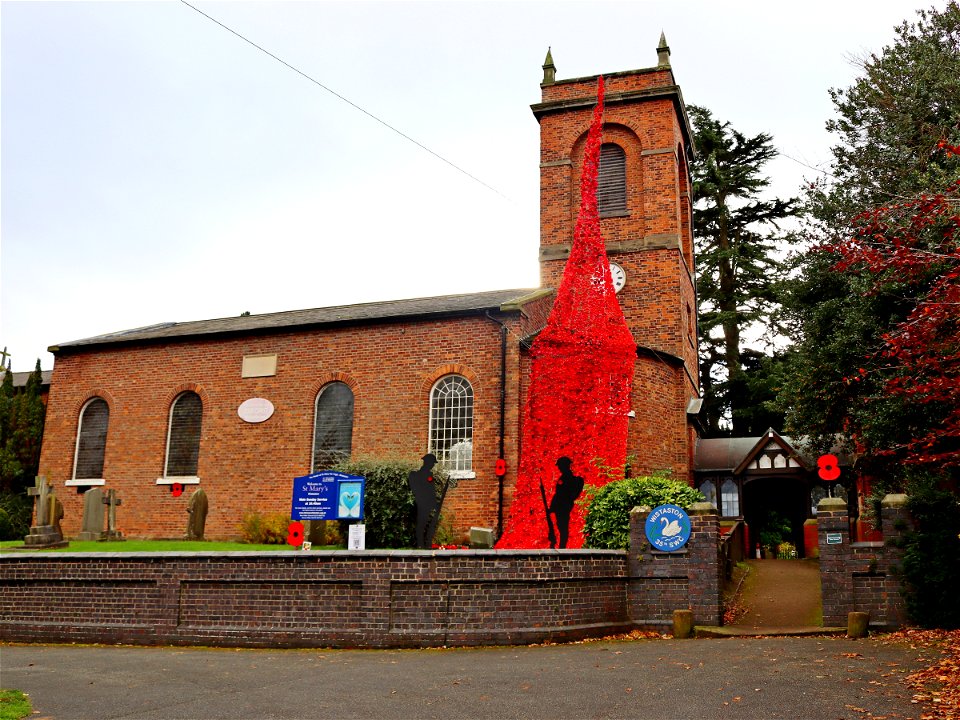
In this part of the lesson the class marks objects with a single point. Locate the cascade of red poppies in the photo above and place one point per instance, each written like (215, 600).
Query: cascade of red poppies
(580, 378)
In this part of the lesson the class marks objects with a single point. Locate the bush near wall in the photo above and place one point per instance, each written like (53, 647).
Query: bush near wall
(931, 558)
(607, 523)
(389, 508)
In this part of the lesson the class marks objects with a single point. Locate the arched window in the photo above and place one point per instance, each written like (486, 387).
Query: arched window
(451, 424)
(332, 425)
(183, 436)
(91, 440)
(729, 498)
(612, 181)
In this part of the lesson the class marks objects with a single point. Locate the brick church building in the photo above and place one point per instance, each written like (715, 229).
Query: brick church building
(240, 406)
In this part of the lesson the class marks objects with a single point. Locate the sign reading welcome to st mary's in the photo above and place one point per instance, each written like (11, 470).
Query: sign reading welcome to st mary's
(328, 495)
(668, 527)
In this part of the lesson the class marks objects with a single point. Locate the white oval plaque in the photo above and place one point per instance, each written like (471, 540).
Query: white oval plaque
(255, 410)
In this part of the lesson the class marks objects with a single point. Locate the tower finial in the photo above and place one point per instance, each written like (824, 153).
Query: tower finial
(549, 70)
(663, 51)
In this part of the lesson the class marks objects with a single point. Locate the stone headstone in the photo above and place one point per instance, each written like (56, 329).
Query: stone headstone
(197, 509)
(112, 501)
(47, 532)
(92, 527)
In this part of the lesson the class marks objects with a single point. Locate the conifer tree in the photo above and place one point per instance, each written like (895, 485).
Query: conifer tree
(738, 234)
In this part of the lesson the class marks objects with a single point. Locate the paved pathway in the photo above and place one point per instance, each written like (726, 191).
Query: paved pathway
(730, 679)
(782, 594)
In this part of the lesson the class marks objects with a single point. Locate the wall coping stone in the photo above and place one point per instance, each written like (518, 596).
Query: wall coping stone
(894, 500)
(830, 504)
(702, 508)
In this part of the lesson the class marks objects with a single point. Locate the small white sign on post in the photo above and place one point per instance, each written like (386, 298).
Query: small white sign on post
(357, 537)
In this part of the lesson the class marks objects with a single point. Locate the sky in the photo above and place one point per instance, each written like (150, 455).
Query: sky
(156, 167)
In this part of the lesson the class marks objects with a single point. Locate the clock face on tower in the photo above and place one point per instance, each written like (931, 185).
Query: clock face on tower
(618, 276)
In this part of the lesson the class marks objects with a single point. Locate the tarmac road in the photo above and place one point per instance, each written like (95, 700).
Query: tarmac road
(660, 679)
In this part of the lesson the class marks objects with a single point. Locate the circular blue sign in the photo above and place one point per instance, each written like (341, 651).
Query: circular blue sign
(668, 527)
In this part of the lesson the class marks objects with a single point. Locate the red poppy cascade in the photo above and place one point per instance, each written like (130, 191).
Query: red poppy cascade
(580, 377)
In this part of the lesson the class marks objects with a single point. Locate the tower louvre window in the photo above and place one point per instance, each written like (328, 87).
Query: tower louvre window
(612, 181)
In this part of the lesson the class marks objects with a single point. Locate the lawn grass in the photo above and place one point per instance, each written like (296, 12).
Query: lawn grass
(14, 705)
(158, 546)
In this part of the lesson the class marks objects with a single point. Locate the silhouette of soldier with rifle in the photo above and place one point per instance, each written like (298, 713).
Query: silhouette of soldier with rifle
(569, 487)
(424, 491)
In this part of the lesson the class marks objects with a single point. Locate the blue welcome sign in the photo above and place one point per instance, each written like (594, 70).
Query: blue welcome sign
(668, 527)
(328, 495)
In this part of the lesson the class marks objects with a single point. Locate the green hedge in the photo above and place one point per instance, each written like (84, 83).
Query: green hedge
(607, 523)
(388, 506)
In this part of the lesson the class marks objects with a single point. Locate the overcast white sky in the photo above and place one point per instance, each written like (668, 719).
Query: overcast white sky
(156, 168)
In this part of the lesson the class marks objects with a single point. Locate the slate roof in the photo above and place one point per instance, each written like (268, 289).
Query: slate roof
(20, 378)
(390, 310)
(725, 454)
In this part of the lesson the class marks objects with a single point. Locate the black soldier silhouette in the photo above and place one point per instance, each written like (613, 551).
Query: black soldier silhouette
(569, 487)
(424, 491)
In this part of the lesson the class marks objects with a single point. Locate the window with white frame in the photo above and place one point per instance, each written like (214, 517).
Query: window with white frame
(183, 436)
(729, 498)
(451, 424)
(332, 425)
(91, 440)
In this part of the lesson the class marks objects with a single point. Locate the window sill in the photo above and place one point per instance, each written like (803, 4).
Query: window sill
(181, 480)
(84, 483)
(461, 474)
(614, 214)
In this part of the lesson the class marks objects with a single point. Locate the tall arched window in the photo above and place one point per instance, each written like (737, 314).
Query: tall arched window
(91, 440)
(333, 425)
(612, 180)
(451, 424)
(183, 436)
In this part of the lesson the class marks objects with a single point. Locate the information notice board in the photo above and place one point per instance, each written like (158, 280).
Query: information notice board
(328, 495)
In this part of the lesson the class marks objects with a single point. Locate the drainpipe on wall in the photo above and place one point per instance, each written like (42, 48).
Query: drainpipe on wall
(503, 417)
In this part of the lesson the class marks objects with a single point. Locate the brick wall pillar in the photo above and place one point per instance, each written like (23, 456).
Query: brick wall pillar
(836, 582)
(895, 522)
(690, 578)
(705, 568)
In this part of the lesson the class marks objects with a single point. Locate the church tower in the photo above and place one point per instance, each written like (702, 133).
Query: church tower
(645, 219)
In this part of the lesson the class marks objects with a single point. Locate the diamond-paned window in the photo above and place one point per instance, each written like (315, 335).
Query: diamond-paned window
(91, 440)
(332, 426)
(183, 436)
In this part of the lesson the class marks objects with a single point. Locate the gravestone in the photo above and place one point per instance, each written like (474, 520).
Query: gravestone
(112, 501)
(197, 509)
(47, 532)
(92, 527)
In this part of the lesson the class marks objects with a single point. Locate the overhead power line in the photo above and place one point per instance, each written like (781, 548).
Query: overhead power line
(341, 97)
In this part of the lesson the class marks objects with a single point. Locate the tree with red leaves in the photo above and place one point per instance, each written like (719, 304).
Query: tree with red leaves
(911, 250)
(580, 378)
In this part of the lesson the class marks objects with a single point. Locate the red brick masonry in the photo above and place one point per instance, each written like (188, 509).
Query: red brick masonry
(399, 598)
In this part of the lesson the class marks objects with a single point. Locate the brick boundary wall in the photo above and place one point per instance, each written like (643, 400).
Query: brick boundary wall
(399, 598)
(862, 576)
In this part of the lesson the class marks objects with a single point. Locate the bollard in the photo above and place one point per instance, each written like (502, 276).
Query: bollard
(857, 624)
(682, 624)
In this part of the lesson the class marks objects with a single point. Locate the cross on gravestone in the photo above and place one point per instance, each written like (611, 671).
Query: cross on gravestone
(111, 501)
(40, 491)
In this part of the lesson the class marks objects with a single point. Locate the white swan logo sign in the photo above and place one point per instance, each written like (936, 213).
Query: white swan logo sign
(668, 527)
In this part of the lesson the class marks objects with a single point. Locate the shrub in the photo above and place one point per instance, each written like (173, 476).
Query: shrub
(931, 559)
(265, 529)
(16, 512)
(388, 506)
(607, 523)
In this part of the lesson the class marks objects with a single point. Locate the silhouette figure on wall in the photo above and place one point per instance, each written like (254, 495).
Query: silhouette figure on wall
(425, 493)
(569, 487)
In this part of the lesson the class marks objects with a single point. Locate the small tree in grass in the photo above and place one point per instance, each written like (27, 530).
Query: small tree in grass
(608, 517)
